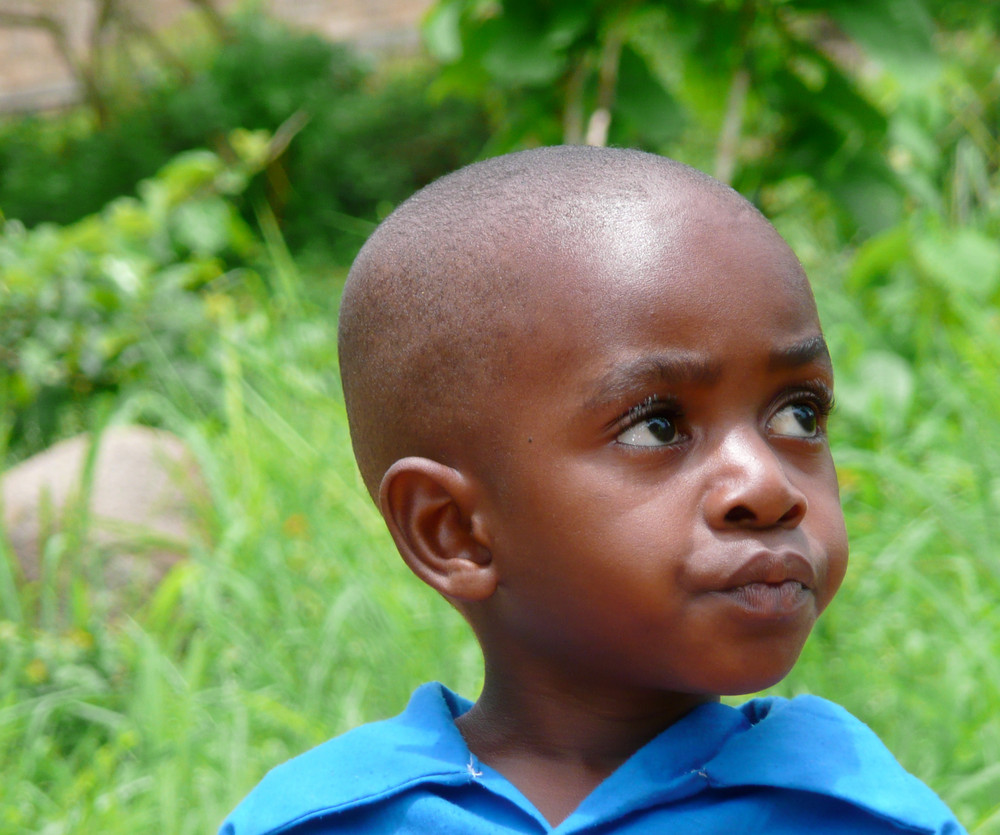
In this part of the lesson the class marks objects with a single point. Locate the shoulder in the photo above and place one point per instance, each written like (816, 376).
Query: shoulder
(368, 764)
(810, 744)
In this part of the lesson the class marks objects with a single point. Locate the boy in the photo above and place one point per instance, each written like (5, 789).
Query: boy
(588, 390)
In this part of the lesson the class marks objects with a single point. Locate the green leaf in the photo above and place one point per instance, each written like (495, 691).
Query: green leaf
(864, 185)
(643, 100)
(876, 257)
(442, 31)
(516, 54)
(962, 261)
(897, 33)
(879, 390)
(202, 226)
(568, 23)
(186, 173)
(813, 84)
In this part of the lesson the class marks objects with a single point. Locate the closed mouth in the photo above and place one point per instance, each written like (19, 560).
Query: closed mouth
(773, 585)
(774, 569)
(774, 602)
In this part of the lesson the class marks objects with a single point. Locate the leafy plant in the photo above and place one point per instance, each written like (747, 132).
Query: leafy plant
(362, 141)
(124, 296)
(755, 92)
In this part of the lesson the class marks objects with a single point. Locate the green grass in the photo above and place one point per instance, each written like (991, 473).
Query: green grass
(912, 643)
(299, 621)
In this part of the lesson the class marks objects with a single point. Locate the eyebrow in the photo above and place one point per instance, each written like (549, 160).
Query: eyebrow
(673, 369)
(811, 349)
(690, 368)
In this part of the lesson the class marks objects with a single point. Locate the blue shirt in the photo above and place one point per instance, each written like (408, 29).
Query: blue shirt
(771, 766)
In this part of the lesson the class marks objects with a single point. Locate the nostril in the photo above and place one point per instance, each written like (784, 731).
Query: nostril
(740, 513)
(793, 514)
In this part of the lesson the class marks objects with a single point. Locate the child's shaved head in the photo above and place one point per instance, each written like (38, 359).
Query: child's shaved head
(442, 297)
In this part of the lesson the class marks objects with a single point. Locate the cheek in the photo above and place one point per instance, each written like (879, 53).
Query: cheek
(590, 532)
(838, 555)
(829, 529)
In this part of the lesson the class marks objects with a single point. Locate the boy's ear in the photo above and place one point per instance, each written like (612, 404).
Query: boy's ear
(432, 515)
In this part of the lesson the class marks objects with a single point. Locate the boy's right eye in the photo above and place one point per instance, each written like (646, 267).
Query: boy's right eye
(652, 423)
(658, 430)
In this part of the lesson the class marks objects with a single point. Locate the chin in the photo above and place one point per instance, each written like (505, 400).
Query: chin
(750, 686)
(745, 679)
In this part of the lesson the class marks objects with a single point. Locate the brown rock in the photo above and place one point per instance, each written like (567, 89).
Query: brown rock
(139, 512)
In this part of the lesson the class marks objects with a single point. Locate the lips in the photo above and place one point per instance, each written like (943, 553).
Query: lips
(771, 568)
(770, 585)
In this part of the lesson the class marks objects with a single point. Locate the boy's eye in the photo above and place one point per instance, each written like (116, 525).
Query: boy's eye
(657, 430)
(796, 420)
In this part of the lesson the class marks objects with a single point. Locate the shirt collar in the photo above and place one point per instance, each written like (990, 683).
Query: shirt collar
(367, 764)
(423, 745)
(813, 745)
(806, 744)
(668, 768)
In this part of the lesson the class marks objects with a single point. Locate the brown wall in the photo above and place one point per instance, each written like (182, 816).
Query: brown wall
(33, 75)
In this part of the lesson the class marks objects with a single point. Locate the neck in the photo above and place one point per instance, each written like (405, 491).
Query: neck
(555, 742)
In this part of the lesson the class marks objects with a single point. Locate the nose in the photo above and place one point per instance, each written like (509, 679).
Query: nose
(749, 486)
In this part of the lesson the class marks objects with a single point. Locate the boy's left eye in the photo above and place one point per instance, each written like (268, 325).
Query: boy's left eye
(796, 420)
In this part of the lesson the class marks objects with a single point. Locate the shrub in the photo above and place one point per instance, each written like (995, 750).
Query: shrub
(368, 140)
(120, 296)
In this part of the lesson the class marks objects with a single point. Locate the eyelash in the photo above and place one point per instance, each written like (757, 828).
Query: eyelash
(652, 406)
(818, 395)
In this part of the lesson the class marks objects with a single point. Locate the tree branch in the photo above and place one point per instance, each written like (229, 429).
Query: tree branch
(732, 126)
(80, 70)
(727, 148)
(573, 111)
(215, 18)
(607, 84)
(130, 24)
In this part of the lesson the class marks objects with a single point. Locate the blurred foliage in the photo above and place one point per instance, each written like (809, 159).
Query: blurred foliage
(366, 140)
(122, 296)
(863, 100)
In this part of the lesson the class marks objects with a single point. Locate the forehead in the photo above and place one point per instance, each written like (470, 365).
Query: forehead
(652, 301)
(707, 275)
